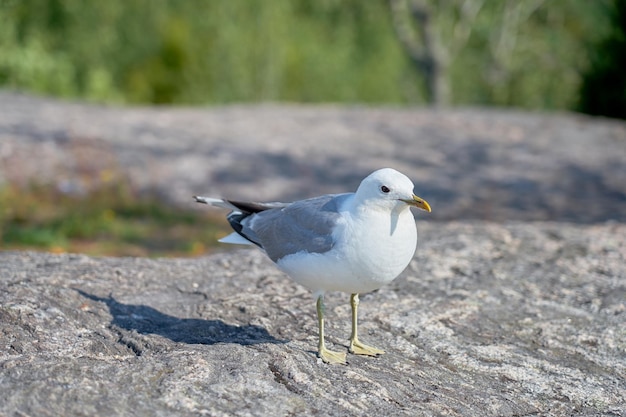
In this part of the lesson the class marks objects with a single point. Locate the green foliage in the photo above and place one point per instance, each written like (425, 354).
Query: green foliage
(109, 221)
(198, 52)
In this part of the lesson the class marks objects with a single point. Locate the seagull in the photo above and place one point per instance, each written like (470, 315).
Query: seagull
(352, 242)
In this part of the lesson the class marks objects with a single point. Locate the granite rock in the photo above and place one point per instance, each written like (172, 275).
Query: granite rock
(478, 164)
(488, 319)
(514, 304)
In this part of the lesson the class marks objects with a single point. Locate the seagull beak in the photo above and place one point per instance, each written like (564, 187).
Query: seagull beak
(418, 202)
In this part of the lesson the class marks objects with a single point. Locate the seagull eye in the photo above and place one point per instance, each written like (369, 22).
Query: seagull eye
(385, 189)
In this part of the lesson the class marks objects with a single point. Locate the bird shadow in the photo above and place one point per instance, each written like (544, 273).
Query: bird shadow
(147, 320)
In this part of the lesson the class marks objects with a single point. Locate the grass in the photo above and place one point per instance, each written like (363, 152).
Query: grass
(111, 221)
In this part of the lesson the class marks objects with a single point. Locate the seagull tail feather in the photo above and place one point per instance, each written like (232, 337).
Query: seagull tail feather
(216, 202)
(235, 239)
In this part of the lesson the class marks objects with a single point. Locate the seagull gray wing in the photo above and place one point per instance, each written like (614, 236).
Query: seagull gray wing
(305, 225)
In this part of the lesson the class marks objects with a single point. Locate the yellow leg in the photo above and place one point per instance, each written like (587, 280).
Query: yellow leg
(327, 356)
(356, 346)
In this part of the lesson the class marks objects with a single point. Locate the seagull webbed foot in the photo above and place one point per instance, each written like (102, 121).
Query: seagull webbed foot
(358, 348)
(332, 357)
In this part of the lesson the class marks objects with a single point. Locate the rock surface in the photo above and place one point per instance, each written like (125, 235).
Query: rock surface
(496, 315)
(507, 320)
(474, 164)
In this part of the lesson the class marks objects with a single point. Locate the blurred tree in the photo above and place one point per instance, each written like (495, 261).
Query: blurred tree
(430, 49)
(504, 43)
(603, 91)
(510, 52)
(527, 53)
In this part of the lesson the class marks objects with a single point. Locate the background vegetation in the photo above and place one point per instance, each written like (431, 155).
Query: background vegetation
(112, 220)
(526, 53)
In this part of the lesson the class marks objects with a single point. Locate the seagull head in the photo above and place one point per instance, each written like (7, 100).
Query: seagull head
(388, 188)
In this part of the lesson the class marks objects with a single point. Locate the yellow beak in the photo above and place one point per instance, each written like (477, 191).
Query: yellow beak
(418, 202)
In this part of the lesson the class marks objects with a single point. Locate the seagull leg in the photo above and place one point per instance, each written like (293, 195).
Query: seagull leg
(356, 346)
(326, 355)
